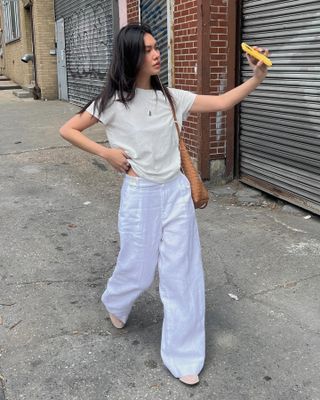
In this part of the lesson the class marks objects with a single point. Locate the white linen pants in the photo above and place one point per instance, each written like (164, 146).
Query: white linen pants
(157, 227)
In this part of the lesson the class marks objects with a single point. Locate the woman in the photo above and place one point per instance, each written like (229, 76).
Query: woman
(157, 222)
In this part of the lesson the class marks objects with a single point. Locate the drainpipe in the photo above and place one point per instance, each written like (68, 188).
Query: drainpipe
(203, 72)
(233, 61)
(36, 89)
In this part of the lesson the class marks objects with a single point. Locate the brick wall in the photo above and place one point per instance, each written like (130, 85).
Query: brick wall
(185, 62)
(44, 24)
(44, 35)
(13, 67)
(218, 74)
(133, 10)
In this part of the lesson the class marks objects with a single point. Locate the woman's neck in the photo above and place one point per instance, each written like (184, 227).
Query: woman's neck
(143, 83)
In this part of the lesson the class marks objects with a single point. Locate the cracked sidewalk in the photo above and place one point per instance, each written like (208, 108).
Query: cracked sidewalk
(59, 243)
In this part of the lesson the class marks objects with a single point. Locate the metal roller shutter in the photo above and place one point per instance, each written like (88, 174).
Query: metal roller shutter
(280, 121)
(89, 31)
(154, 13)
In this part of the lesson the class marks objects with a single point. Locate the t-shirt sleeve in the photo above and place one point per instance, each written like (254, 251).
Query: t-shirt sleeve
(184, 101)
(93, 110)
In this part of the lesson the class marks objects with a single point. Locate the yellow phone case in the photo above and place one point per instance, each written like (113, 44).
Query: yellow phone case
(254, 53)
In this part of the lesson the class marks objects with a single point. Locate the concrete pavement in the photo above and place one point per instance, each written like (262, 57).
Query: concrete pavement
(58, 245)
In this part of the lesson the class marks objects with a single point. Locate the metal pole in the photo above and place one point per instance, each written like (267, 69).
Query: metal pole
(36, 89)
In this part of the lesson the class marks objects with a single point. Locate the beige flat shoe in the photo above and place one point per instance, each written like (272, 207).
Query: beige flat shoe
(189, 379)
(116, 322)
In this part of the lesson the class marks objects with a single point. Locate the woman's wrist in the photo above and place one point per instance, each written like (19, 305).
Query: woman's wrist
(104, 152)
(258, 79)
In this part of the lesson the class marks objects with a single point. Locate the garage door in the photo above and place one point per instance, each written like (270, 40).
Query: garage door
(280, 121)
(88, 27)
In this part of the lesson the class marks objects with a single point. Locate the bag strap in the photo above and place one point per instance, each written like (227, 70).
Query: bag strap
(175, 119)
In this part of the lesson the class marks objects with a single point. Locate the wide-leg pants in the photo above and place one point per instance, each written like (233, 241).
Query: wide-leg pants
(157, 227)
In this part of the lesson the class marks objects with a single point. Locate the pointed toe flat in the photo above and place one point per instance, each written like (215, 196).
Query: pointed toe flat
(116, 322)
(189, 379)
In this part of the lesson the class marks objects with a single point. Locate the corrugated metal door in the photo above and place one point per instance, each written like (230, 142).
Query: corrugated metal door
(154, 13)
(280, 121)
(89, 31)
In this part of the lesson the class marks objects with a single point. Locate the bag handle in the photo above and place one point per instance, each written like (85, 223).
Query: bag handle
(173, 112)
(175, 119)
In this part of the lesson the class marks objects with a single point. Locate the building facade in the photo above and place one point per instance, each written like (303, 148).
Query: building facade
(28, 30)
(271, 141)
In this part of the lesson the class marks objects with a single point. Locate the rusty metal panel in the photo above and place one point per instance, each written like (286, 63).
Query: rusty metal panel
(154, 13)
(89, 32)
(280, 121)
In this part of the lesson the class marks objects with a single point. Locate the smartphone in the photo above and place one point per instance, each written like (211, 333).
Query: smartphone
(254, 53)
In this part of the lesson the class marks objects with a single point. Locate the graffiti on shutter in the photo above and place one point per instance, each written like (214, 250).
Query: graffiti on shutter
(88, 41)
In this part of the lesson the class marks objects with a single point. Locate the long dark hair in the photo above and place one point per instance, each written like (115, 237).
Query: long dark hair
(127, 59)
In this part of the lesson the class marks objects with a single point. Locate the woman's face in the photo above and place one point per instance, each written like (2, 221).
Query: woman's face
(151, 63)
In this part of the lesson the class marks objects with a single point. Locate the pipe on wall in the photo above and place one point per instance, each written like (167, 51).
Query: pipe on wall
(203, 72)
(233, 60)
(36, 89)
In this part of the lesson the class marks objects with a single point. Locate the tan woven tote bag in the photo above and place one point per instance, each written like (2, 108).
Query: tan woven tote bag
(199, 192)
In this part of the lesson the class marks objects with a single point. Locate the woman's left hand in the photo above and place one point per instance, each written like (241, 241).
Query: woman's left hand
(260, 70)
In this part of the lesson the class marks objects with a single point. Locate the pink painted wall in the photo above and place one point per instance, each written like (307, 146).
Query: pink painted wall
(123, 16)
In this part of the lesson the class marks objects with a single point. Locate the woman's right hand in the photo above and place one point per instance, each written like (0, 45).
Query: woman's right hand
(118, 158)
(72, 131)
(260, 70)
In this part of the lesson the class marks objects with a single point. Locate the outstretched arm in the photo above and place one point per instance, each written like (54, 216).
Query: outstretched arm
(207, 103)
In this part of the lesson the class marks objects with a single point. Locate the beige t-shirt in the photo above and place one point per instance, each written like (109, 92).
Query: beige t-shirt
(146, 131)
